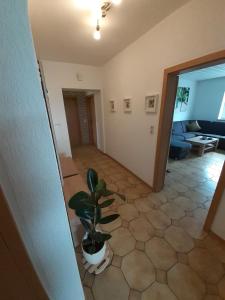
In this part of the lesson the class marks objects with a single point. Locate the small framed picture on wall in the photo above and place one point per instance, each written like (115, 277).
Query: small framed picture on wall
(127, 105)
(112, 106)
(151, 103)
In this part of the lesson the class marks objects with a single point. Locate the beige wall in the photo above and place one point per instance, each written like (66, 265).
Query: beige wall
(196, 29)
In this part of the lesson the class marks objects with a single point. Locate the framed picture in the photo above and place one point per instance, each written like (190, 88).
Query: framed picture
(182, 98)
(127, 107)
(112, 106)
(151, 103)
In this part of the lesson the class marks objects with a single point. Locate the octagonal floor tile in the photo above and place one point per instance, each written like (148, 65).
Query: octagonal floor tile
(158, 291)
(112, 225)
(185, 203)
(111, 285)
(207, 266)
(141, 229)
(212, 297)
(215, 247)
(122, 241)
(128, 212)
(161, 253)
(221, 288)
(193, 228)
(138, 270)
(158, 219)
(143, 204)
(179, 239)
(173, 211)
(185, 283)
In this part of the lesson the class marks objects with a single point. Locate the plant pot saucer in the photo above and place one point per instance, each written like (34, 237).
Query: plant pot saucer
(99, 268)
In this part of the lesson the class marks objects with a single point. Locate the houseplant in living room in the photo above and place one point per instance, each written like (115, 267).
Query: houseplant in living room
(88, 207)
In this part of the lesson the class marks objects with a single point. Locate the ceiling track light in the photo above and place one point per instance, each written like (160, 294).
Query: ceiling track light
(105, 7)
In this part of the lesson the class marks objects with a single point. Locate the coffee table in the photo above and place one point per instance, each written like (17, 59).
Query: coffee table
(203, 144)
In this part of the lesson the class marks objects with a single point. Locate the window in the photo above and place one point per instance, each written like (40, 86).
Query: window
(221, 115)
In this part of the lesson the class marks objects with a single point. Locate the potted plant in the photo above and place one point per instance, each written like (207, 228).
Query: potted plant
(88, 208)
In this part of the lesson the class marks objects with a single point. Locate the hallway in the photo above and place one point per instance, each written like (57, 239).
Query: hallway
(160, 250)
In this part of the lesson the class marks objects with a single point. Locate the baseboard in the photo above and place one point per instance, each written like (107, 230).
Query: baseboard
(125, 168)
(216, 237)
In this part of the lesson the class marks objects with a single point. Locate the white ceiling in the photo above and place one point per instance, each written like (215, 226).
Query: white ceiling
(206, 73)
(62, 31)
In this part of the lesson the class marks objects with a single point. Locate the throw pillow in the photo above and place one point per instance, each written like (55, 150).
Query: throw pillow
(193, 126)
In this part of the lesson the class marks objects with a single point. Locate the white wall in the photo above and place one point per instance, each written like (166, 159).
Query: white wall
(218, 225)
(60, 76)
(196, 29)
(187, 115)
(208, 98)
(28, 169)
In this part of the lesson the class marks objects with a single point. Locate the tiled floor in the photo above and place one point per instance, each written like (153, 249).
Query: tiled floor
(160, 250)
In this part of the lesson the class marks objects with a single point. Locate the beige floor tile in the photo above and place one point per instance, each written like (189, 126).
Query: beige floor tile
(122, 242)
(173, 211)
(134, 295)
(207, 266)
(179, 239)
(185, 283)
(138, 270)
(143, 204)
(200, 214)
(161, 276)
(158, 291)
(80, 265)
(128, 212)
(161, 253)
(185, 203)
(179, 187)
(193, 228)
(212, 297)
(221, 288)
(111, 285)
(158, 219)
(116, 261)
(88, 279)
(141, 229)
(216, 248)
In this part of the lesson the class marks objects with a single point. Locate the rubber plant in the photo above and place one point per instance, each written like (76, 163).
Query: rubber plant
(88, 208)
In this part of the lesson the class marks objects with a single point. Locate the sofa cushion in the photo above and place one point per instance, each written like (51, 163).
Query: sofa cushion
(188, 135)
(193, 126)
(177, 127)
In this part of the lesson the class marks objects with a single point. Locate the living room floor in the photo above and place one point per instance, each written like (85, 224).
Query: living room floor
(159, 248)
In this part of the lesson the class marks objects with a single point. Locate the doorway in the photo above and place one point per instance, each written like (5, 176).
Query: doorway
(81, 118)
(201, 163)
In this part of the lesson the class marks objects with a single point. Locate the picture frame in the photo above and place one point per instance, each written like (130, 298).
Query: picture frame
(127, 105)
(112, 106)
(151, 103)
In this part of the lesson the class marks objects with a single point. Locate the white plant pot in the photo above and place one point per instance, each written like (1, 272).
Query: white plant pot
(95, 258)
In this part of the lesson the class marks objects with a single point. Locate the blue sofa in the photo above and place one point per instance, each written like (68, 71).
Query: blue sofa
(180, 149)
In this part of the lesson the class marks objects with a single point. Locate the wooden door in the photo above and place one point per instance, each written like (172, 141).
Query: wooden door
(18, 279)
(73, 123)
(91, 120)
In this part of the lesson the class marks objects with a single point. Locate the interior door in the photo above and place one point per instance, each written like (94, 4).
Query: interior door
(73, 123)
(18, 279)
(91, 120)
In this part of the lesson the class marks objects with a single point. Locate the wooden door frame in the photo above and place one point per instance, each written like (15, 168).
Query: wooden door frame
(18, 252)
(170, 82)
(90, 120)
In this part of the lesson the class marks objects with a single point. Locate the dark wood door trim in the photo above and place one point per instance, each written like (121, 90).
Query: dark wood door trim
(167, 106)
(16, 250)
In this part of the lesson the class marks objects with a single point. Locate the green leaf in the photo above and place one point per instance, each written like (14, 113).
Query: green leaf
(86, 224)
(108, 219)
(80, 199)
(106, 203)
(101, 186)
(85, 213)
(92, 179)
